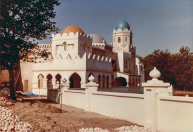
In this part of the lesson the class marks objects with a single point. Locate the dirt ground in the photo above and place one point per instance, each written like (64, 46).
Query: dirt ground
(50, 118)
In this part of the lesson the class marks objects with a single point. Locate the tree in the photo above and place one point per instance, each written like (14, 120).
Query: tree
(183, 69)
(163, 61)
(176, 69)
(21, 20)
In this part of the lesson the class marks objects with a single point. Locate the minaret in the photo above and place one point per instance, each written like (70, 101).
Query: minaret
(122, 37)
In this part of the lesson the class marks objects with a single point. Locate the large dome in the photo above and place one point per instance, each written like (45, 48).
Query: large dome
(73, 29)
(122, 25)
(96, 38)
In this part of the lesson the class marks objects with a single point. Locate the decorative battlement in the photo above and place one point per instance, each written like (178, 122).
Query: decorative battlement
(99, 58)
(44, 46)
(70, 35)
(120, 31)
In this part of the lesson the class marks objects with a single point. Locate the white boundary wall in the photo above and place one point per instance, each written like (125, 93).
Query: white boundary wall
(156, 109)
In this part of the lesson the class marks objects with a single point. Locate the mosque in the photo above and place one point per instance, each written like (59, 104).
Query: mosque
(74, 56)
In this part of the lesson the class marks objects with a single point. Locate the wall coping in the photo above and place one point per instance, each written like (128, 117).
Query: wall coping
(177, 99)
(126, 95)
(75, 91)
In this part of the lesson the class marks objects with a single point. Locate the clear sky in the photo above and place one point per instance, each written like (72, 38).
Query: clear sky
(156, 24)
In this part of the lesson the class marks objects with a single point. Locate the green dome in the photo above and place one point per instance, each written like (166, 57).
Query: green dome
(122, 25)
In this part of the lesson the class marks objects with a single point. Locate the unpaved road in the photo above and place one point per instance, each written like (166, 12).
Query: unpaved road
(50, 118)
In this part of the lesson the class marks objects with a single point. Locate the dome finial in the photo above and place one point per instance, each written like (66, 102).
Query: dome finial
(155, 74)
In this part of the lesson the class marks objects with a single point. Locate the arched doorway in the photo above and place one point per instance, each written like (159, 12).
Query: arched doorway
(49, 79)
(103, 81)
(99, 80)
(40, 81)
(75, 81)
(120, 81)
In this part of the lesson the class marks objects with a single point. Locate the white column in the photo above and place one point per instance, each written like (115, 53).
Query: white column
(152, 89)
(90, 88)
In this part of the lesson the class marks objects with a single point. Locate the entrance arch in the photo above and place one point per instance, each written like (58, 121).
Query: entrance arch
(75, 81)
(49, 79)
(40, 81)
(120, 81)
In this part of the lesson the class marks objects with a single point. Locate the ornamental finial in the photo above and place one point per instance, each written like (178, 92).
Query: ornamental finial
(155, 74)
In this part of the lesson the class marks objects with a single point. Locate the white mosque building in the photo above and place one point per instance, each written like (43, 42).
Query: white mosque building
(76, 55)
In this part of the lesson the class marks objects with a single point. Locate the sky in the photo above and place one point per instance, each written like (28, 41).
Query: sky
(156, 24)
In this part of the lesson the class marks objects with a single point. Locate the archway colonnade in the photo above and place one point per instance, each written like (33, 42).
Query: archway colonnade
(74, 80)
(55, 80)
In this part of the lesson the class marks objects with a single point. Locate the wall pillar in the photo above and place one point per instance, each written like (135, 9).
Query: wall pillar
(90, 88)
(45, 83)
(152, 89)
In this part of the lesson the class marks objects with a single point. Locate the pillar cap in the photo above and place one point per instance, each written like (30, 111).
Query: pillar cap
(155, 74)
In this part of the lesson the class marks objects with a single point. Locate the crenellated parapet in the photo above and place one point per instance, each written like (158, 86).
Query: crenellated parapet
(120, 31)
(72, 35)
(99, 58)
(44, 46)
(77, 43)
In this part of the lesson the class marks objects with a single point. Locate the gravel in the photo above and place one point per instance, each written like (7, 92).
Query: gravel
(120, 129)
(6, 118)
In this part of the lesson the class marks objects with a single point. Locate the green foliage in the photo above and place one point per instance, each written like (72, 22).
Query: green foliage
(19, 21)
(175, 68)
(183, 69)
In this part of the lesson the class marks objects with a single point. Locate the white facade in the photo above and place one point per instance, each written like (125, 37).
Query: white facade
(75, 56)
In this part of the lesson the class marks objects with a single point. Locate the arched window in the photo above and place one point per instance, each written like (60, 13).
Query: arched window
(107, 82)
(119, 39)
(75, 81)
(125, 38)
(99, 80)
(58, 78)
(40, 81)
(103, 81)
(49, 79)
(65, 46)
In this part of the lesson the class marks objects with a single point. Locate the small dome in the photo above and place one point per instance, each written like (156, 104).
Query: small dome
(96, 38)
(73, 29)
(122, 25)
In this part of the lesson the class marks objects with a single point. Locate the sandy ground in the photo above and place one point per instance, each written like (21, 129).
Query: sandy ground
(50, 118)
